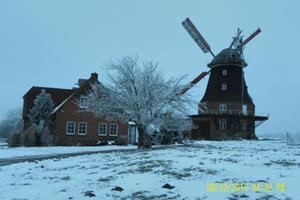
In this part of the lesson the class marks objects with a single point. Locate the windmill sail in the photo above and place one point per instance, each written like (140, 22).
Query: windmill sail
(251, 37)
(195, 81)
(196, 35)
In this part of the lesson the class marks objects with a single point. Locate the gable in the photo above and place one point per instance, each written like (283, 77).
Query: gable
(58, 95)
(84, 88)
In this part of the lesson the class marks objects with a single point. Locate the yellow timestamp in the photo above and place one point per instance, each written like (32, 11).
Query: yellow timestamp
(245, 187)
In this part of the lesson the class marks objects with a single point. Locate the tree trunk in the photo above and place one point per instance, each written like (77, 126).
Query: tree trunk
(144, 141)
(141, 138)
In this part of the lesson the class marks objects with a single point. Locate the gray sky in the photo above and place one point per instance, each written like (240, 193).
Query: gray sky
(53, 43)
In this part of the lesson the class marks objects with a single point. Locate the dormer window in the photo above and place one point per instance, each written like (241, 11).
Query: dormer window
(224, 72)
(83, 102)
(224, 87)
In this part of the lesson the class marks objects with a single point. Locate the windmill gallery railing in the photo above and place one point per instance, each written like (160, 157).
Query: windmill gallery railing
(227, 112)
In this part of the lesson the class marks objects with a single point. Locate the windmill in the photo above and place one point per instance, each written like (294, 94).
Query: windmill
(237, 43)
(226, 107)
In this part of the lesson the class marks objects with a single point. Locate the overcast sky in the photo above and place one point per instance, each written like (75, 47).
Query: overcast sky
(53, 43)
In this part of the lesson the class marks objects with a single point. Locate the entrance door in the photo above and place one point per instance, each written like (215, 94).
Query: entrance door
(204, 130)
(132, 134)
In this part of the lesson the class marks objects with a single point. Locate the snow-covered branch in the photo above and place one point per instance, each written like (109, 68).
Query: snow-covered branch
(138, 92)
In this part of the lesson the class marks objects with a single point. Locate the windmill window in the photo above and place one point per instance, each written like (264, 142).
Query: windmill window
(223, 107)
(224, 87)
(222, 124)
(224, 72)
(82, 128)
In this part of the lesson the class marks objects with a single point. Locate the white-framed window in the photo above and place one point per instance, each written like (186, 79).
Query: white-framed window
(113, 129)
(70, 128)
(244, 125)
(223, 107)
(224, 87)
(102, 129)
(245, 110)
(82, 128)
(222, 124)
(83, 102)
(224, 72)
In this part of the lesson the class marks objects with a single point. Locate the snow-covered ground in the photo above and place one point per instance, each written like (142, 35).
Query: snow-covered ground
(3, 145)
(193, 170)
(43, 151)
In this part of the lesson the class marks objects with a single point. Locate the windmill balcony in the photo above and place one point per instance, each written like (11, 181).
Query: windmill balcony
(227, 112)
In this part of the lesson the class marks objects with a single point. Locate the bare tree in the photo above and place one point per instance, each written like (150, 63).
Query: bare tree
(12, 122)
(138, 92)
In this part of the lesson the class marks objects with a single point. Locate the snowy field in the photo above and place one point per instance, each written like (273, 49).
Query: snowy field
(3, 143)
(44, 151)
(203, 170)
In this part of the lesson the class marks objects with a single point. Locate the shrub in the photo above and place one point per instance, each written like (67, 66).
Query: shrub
(147, 141)
(30, 137)
(119, 142)
(46, 138)
(166, 138)
(14, 139)
(102, 143)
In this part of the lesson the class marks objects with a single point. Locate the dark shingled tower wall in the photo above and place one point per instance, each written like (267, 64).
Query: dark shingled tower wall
(238, 118)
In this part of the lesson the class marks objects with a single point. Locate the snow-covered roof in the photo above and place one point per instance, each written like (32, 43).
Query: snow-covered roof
(228, 56)
(131, 123)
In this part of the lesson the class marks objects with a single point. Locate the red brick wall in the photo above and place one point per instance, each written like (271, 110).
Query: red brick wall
(71, 112)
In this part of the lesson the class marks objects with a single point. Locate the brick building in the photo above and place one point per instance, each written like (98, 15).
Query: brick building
(73, 125)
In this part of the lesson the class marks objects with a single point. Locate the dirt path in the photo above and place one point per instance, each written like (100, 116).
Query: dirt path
(9, 161)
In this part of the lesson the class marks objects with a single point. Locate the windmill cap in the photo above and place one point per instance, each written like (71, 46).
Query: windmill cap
(228, 57)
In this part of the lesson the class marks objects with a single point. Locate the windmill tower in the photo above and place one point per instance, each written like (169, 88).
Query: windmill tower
(226, 110)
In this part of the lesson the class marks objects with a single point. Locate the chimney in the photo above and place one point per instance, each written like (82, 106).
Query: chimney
(94, 77)
(81, 82)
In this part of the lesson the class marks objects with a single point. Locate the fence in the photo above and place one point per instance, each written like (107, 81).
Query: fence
(292, 140)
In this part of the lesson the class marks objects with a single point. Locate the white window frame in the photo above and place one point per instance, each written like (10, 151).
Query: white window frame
(224, 87)
(224, 72)
(117, 129)
(74, 124)
(81, 105)
(223, 107)
(222, 124)
(244, 125)
(86, 128)
(100, 129)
